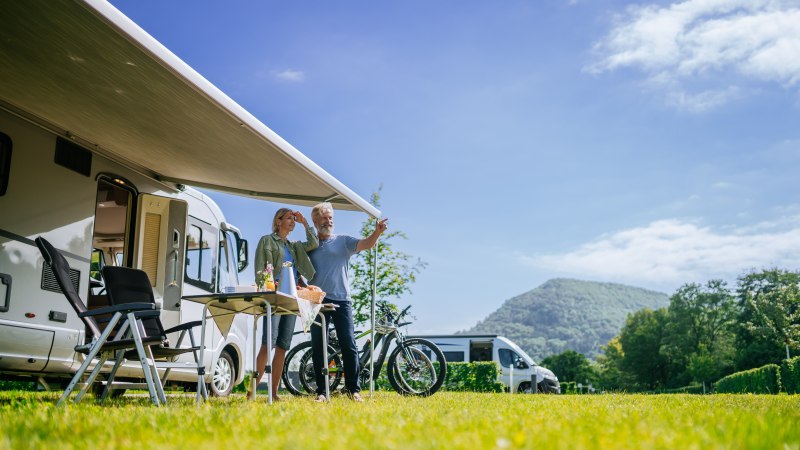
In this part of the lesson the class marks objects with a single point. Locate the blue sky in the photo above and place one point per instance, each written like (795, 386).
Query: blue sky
(651, 143)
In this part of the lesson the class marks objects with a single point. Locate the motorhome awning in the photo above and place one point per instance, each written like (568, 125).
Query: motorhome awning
(87, 72)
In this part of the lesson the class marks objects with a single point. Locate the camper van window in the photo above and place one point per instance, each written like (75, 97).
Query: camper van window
(454, 356)
(509, 357)
(199, 258)
(228, 273)
(5, 162)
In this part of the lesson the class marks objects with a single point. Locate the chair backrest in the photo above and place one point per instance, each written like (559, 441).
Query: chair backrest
(60, 268)
(127, 285)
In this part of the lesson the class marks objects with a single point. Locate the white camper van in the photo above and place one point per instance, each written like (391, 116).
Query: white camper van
(515, 365)
(101, 130)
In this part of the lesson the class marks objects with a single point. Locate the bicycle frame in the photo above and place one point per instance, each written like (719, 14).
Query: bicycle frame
(384, 336)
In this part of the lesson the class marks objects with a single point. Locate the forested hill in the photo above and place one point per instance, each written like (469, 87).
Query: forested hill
(565, 314)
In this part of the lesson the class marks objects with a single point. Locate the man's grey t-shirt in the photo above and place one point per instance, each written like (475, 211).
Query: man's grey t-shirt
(331, 261)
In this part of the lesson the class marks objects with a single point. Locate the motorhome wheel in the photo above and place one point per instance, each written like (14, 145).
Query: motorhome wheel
(223, 376)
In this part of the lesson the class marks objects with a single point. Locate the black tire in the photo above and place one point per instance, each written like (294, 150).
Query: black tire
(298, 370)
(417, 367)
(524, 388)
(223, 374)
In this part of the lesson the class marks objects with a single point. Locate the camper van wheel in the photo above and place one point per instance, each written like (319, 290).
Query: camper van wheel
(524, 388)
(223, 376)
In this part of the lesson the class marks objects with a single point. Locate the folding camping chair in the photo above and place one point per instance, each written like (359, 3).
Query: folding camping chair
(122, 315)
(131, 286)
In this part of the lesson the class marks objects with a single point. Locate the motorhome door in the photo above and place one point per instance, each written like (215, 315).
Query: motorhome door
(480, 350)
(159, 249)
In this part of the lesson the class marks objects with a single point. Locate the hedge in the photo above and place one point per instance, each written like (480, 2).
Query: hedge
(474, 377)
(763, 380)
(790, 375)
(569, 387)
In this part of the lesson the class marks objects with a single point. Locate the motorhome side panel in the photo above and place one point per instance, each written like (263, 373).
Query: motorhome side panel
(42, 198)
(52, 192)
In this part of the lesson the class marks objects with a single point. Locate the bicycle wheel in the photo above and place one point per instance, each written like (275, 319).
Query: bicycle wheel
(417, 367)
(291, 368)
(305, 371)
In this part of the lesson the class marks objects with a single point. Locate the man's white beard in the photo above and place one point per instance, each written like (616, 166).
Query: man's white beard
(327, 231)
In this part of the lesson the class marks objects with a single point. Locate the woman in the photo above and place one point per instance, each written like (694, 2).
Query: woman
(276, 249)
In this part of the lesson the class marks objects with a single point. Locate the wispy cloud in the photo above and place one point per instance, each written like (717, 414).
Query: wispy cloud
(291, 75)
(668, 253)
(697, 40)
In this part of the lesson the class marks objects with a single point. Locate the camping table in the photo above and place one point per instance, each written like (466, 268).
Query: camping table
(223, 308)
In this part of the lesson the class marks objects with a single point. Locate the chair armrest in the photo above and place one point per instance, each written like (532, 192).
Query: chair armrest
(184, 326)
(125, 308)
(147, 314)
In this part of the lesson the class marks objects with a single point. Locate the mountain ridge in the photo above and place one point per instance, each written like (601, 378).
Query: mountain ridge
(567, 314)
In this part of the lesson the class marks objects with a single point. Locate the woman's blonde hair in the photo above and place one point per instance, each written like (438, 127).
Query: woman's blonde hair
(278, 217)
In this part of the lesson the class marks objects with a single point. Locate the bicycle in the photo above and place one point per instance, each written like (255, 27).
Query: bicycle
(415, 366)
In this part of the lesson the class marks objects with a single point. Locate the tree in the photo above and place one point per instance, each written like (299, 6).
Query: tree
(700, 329)
(769, 317)
(641, 339)
(611, 376)
(396, 270)
(571, 366)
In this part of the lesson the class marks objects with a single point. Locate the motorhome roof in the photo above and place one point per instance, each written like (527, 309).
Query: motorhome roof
(86, 71)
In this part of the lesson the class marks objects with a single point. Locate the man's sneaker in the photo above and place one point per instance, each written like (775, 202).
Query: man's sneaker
(356, 397)
(321, 399)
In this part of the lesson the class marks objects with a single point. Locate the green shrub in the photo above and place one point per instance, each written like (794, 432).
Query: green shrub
(763, 380)
(569, 387)
(6, 385)
(473, 377)
(790, 375)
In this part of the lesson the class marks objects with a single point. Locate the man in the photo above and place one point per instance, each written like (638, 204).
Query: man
(331, 260)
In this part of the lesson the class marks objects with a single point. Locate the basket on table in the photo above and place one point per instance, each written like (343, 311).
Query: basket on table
(312, 295)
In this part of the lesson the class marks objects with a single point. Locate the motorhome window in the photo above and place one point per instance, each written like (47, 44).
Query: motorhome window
(5, 162)
(199, 258)
(454, 356)
(509, 357)
(228, 273)
(97, 263)
(73, 157)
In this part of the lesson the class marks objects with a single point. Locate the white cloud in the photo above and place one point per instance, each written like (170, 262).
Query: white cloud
(722, 185)
(694, 40)
(291, 75)
(668, 253)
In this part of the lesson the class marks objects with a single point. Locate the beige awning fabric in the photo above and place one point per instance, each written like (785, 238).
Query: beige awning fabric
(87, 72)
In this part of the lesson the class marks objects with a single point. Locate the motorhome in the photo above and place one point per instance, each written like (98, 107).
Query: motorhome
(102, 130)
(517, 369)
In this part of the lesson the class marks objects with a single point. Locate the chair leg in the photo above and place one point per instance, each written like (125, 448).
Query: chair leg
(96, 346)
(159, 385)
(148, 378)
(77, 377)
(112, 375)
(92, 377)
(201, 385)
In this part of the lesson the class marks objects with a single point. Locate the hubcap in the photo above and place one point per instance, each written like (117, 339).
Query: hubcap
(222, 375)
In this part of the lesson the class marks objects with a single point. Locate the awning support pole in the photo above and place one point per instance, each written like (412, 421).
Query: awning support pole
(372, 328)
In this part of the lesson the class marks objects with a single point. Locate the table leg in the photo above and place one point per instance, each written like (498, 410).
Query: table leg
(200, 381)
(253, 380)
(325, 356)
(268, 369)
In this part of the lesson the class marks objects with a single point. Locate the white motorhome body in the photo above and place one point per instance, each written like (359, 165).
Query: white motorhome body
(516, 366)
(101, 129)
(107, 214)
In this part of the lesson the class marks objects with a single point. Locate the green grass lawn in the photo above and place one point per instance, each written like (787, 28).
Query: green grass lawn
(446, 420)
